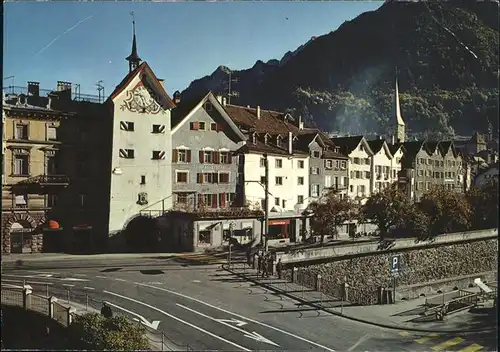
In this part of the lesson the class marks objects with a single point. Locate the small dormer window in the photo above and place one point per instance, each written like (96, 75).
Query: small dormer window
(278, 141)
(337, 149)
(208, 106)
(254, 138)
(361, 147)
(266, 137)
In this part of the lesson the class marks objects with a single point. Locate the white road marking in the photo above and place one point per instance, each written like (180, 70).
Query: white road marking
(88, 288)
(237, 315)
(42, 272)
(73, 279)
(252, 335)
(360, 341)
(197, 281)
(180, 320)
(82, 275)
(233, 321)
(118, 279)
(153, 325)
(69, 285)
(101, 277)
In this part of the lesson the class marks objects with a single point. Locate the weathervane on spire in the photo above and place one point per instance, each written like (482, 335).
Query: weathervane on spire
(133, 59)
(133, 20)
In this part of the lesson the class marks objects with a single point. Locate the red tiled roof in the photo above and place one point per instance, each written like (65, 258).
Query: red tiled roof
(269, 121)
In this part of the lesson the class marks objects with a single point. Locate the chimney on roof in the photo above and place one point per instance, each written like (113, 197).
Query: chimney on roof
(224, 101)
(64, 90)
(50, 102)
(63, 86)
(34, 89)
(258, 111)
(162, 82)
(301, 124)
(393, 138)
(290, 140)
(177, 97)
(219, 99)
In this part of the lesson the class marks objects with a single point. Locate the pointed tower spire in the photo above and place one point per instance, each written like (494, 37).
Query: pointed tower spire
(400, 132)
(133, 59)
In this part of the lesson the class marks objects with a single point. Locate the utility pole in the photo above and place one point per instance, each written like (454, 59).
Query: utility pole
(266, 202)
(231, 233)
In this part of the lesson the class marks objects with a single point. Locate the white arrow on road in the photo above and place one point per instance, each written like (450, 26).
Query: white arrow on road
(232, 321)
(153, 325)
(251, 335)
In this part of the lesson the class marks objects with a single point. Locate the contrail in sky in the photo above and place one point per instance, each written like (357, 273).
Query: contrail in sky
(63, 33)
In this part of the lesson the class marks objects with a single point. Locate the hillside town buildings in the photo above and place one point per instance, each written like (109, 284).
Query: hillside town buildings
(199, 166)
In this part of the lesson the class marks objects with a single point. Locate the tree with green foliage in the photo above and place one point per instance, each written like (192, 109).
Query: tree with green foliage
(393, 212)
(448, 210)
(331, 212)
(95, 332)
(484, 204)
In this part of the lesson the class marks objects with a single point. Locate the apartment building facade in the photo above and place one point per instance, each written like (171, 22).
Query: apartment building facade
(33, 175)
(386, 164)
(360, 165)
(428, 164)
(204, 164)
(328, 168)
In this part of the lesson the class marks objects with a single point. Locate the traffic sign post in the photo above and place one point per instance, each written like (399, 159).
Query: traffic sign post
(394, 263)
(394, 266)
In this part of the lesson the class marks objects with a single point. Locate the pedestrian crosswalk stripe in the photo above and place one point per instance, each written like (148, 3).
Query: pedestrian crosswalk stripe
(404, 333)
(447, 344)
(426, 338)
(472, 348)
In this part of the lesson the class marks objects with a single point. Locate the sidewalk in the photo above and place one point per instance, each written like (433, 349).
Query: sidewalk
(12, 258)
(392, 316)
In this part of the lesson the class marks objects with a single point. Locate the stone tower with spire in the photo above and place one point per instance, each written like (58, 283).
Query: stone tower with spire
(133, 59)
(397, 119)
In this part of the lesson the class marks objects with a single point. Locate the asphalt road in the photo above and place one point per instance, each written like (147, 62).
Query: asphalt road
(207, 308)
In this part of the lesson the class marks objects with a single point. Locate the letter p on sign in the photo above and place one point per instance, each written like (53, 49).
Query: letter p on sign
(394, 263)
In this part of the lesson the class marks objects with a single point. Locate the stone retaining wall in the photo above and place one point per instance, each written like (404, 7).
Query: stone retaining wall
(366, 274)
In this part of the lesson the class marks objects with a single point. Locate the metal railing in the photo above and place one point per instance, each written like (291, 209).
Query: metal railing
(63, 310)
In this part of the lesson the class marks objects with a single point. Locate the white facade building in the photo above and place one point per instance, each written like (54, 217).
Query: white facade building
(288, 181)
(141, 145)
(385, 164)
(360, 165)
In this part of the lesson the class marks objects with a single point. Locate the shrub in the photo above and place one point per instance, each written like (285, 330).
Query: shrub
(95, 332)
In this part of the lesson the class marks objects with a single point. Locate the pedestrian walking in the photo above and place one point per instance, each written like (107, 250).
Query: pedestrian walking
(278, 268)
(264, 267)
(249, 255)
(259, 263)
(106, 311)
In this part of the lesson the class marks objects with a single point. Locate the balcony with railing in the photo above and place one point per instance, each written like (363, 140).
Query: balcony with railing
(42, 184)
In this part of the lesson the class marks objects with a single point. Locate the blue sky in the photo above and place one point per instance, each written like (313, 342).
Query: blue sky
(181, 41)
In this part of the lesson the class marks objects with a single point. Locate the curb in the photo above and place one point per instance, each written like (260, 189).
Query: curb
(386, 326)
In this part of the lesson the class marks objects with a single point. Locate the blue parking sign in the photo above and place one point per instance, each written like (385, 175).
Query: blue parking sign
(394, 263)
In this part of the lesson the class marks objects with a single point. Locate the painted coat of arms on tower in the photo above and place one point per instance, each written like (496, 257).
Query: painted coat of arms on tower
(142, 100)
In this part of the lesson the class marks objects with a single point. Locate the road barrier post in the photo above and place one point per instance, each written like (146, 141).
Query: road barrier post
(68, 295)
(162, 340)
(47, 290)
